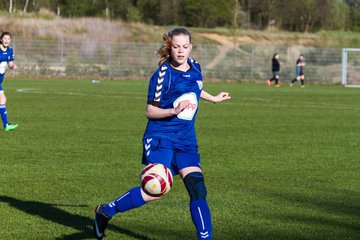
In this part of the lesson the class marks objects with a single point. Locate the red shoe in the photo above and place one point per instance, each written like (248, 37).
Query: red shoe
(268, 82)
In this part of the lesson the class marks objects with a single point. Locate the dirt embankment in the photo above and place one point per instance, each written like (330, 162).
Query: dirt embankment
(59, 28)
(101, 30)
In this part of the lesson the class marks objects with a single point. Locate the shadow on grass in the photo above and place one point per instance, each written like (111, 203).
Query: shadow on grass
(337, 208)
(52, 213)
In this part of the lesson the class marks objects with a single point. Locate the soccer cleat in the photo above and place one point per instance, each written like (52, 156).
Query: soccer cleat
(277, 85)
(268, 82)
(302, 86)
(100, 222)
(291, 85)
(10, 127)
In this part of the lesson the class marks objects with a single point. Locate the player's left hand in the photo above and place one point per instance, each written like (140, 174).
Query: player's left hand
(221, 97)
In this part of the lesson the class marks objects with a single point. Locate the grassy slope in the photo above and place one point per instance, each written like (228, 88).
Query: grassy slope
(279, 163)
(47, 26)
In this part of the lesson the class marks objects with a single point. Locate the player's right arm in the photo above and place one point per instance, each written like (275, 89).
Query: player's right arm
(157, 85)
(12, 65)
(153, 112)
(300, 63)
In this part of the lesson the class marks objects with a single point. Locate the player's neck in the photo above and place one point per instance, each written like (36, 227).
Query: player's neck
(183, 67)
(3, 47)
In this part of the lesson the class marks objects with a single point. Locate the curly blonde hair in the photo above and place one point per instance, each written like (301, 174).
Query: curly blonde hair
(164, 50)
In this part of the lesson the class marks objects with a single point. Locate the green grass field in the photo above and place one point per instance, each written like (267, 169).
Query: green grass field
(279, 163)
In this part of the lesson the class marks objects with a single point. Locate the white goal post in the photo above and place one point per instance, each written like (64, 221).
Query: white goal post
(350, 67)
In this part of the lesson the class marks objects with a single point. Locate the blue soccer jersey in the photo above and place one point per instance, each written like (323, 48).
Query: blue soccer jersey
(167, 88)
(5, 57)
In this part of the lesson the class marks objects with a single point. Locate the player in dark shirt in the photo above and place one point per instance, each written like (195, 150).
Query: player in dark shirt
(275, 69)
(300, 63)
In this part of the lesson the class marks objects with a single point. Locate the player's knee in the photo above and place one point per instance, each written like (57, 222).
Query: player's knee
(194, 183)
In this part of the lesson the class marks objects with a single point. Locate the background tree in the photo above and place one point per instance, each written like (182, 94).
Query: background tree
(170, 13)
(71, 8)
(354, 16)
(150, 10)
(11, 6)
(291, 15)
(26, 6)
(216, 13)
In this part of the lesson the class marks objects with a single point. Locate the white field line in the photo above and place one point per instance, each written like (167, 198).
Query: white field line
(40, 91)
(300, 104)
(244, 101)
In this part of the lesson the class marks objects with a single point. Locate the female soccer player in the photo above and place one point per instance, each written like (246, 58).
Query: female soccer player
(6, 60)
(173, 98)
(275, 69)
(300, 63)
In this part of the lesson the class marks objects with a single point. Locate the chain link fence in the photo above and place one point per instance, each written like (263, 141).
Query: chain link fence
(49, 58)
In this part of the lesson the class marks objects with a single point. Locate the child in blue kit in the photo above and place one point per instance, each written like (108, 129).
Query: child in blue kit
(6, 60)
(172, 105)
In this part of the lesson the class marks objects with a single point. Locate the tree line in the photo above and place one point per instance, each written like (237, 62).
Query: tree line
(291, 15)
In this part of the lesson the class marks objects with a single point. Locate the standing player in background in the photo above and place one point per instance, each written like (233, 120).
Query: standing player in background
(6, 60)
(275, 67)
(173, 97)
(300, 63)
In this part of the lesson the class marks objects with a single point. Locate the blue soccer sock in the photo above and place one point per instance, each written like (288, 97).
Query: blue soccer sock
(129, 200)
(3, 113)
(200, 214)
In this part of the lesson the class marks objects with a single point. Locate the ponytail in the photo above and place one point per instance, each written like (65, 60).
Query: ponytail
(164, 50)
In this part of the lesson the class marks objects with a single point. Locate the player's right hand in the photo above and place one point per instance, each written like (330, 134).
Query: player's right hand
(181, 106)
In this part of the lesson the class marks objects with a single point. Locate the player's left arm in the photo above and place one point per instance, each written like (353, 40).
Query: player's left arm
(11, 63)
(222, 96)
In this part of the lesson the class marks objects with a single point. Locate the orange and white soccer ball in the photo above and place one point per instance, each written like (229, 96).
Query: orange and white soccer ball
(156, 180)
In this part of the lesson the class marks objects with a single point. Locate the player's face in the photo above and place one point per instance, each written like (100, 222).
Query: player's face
(180, 49)
(6, 40)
